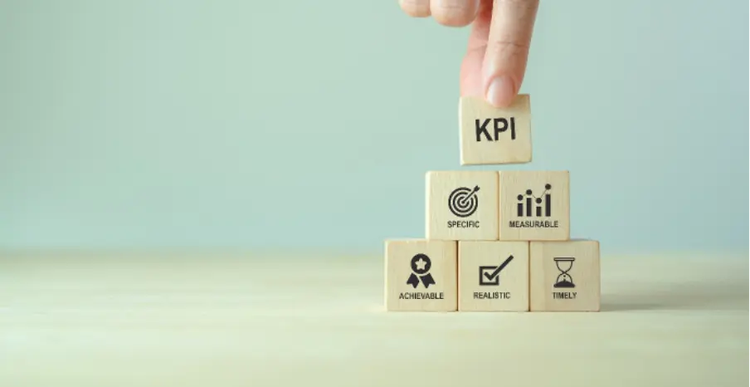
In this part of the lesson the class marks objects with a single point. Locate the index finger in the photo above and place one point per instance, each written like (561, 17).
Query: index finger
(507, 49)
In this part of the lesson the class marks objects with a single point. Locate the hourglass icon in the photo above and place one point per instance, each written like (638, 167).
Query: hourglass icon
(564, 280)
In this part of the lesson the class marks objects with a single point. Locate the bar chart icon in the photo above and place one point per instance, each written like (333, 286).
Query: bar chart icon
(530, 205)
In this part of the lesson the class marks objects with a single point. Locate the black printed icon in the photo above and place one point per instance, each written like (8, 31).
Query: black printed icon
(564, 280)
(420, 265)
(463, 201)
(490, 275)
(541, 205)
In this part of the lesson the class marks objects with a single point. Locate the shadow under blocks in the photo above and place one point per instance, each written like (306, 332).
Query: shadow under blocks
(495, 241)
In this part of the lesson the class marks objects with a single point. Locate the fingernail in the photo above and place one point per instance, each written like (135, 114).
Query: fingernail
(501, 91)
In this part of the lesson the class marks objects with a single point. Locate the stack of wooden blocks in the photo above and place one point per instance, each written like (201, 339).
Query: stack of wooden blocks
(496, 240)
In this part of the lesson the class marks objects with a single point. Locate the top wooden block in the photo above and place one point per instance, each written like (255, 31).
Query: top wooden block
(489, 135)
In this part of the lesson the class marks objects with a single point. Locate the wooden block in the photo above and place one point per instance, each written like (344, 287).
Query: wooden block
(493, 276)
(462, 205)
(534, 205)
(565, 276)
(489, 135)
(420, 275)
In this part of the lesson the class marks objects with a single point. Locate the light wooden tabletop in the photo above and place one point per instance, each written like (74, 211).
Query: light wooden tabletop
(244, 320)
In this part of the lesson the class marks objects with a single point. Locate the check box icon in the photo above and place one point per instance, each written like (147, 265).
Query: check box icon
(490, 275)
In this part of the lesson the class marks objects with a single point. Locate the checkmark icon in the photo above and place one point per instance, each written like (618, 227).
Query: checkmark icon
(490, 275)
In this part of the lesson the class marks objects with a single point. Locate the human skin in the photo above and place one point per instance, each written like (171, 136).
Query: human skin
(494, 64)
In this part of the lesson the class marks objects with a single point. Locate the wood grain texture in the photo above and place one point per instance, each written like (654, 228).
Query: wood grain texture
(475, 218)
(490, 135)
(484, 284)
(316, 318)
(429, 284)
(543, 200)
(565, 276)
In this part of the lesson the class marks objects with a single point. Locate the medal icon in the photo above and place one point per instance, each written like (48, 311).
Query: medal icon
(420, 267)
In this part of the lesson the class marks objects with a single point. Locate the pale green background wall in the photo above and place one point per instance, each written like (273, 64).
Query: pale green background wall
(270, 124)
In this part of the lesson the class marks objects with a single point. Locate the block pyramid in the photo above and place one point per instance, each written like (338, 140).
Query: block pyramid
(496, 241)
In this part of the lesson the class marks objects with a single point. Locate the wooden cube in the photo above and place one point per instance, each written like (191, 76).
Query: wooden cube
(565, 276)
(489, 135)
(462, 205)
(534, 205)
(493, 276)
(420, 275)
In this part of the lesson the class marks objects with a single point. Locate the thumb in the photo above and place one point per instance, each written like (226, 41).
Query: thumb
(508, 49)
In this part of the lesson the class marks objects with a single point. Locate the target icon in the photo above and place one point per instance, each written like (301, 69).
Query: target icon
(463, 201)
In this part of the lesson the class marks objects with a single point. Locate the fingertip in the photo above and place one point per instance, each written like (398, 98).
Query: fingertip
(450, 21)
(501, 91)
(454, 13)
(416, 8)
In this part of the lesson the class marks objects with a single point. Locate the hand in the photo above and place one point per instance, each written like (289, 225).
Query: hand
(498, 49)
